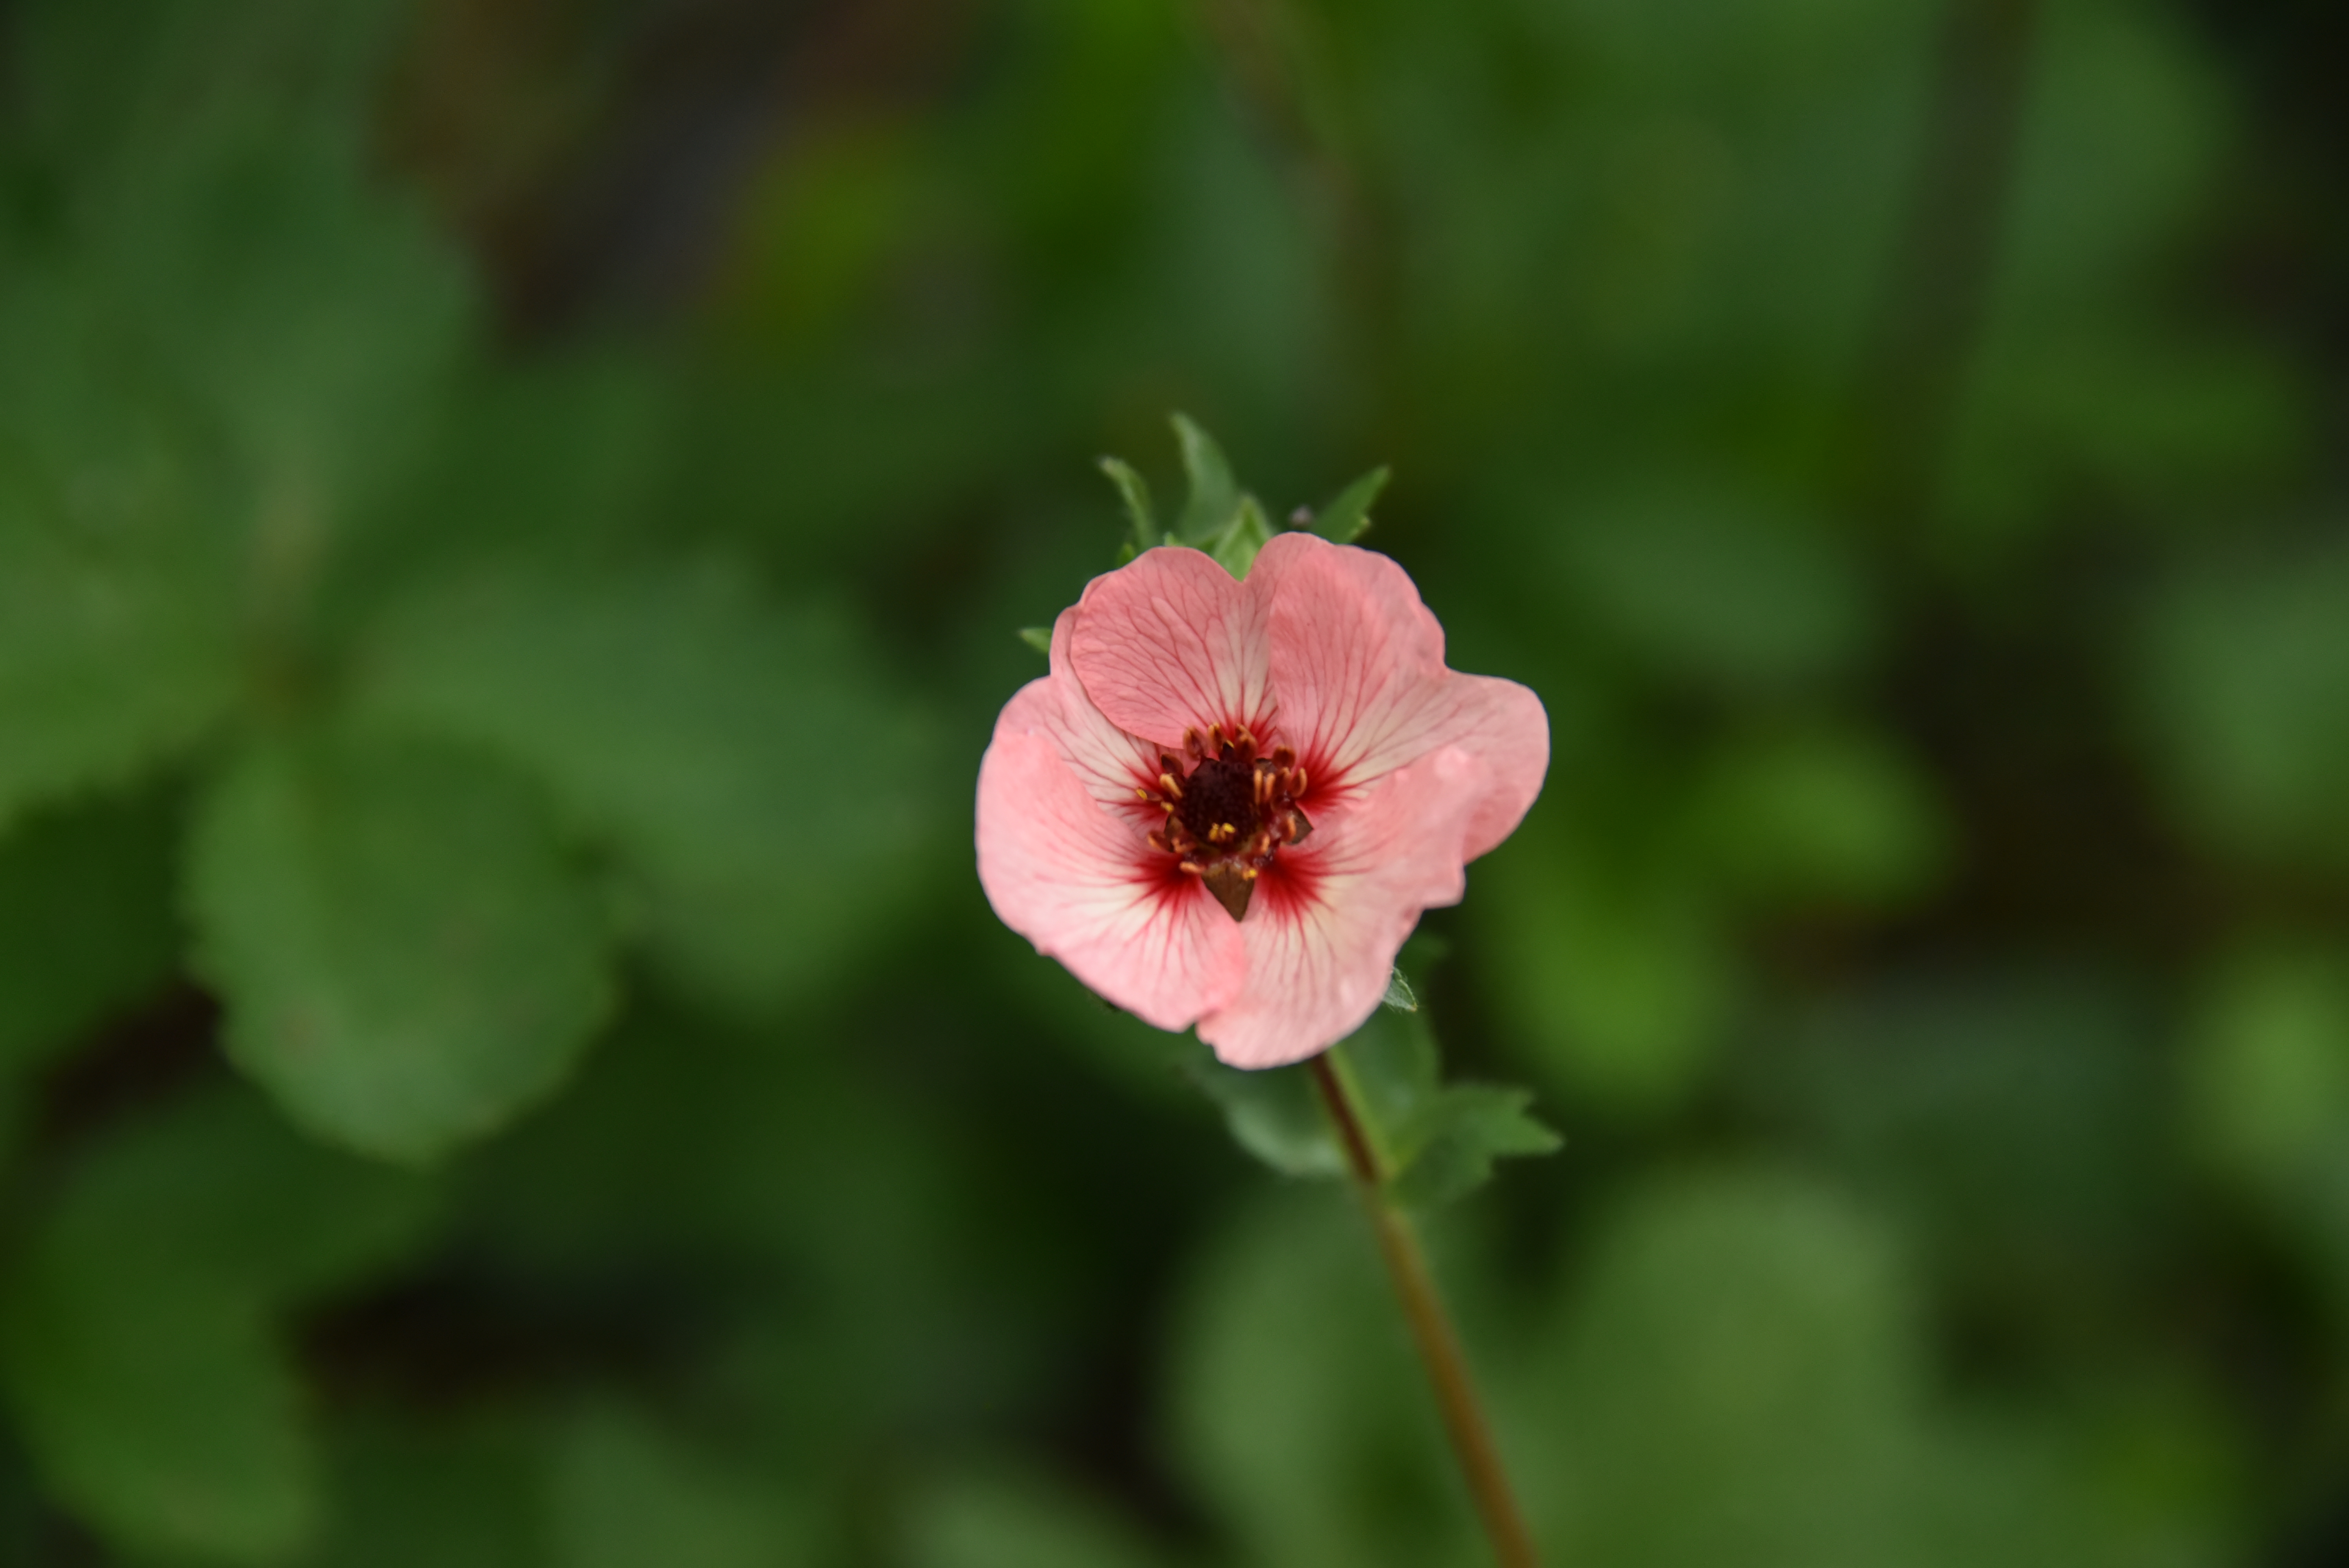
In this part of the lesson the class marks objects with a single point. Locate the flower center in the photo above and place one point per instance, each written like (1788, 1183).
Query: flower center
(1229, 813)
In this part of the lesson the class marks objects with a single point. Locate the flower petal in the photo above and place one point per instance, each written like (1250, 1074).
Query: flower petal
(1357, 664)
(1330, 914)
(1109, 763)
(1076, 880)
(1169, 641)
(1504, 726)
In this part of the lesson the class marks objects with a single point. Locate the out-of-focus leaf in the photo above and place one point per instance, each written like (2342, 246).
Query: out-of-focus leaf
(219, 1189)
(319, 319)
(86, 921)
(1135, 491)
(1018, 1523)
(1716, 584)
(621, 1494)
(1738, 1382)
(138, 1341)
(768, 788)
(2268, 1078)
(1347, 517)
(1235, 548)
(1616, 982)
(1819, 817)
(2006, 1117)
(1299, 1413)
(1214, 499)
(118, 636)
(455, 1496)
(169, 1424)
(108, 662)
(2266, 1082)
(133, 84)
(408, 955)
(2246, 681)
(1037, 638)
(2084, 373)
(1739, 1377)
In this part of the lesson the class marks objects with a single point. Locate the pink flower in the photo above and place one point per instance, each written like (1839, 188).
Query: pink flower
(1230, 801)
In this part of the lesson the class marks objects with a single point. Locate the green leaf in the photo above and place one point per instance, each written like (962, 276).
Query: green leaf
(422, 1491)
(318, 320)
(2246, 681)
(87, 921)
(1820, 818)
(623, 1494)
(1459, 1134)
(1298, 1414)
(1038, 637)
(1435, 1141)
(1235, 549)
(169, 1424)
(1214, 496)
(1275, 1115)
(170, 79)
(1719, 584)
(1618, 979)
(118, 644)
(2268, 1065)
(408, 955)
(1347, 517)
(109, 663)
(769, 796)
(1018, 1522)
(1135, 492)
(138, 1343)
(1737, 1384)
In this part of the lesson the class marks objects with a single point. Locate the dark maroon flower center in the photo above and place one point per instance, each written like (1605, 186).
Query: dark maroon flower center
(1228, 813)
(1218, 803)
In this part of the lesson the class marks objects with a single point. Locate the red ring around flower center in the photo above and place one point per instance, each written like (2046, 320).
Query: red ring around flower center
(1229, 813)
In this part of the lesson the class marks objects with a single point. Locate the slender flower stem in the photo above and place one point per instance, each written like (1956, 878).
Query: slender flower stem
(1431, 1328)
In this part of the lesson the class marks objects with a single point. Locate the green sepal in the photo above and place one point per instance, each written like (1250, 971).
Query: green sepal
(1235, 549)
(1135, 492)
(1215, 500)
(1038, 637)
(1347, 517)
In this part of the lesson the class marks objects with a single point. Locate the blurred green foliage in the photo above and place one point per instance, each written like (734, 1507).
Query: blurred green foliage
(511, 517)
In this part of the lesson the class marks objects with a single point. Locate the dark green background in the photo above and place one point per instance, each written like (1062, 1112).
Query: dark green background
(512, 519)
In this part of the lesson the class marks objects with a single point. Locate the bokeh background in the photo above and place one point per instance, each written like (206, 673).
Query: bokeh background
(513, 515)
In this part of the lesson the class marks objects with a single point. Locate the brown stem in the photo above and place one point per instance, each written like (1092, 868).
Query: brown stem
(1431, 1330)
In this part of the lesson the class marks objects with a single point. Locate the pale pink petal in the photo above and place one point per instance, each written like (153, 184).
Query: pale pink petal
(1169, 641)
(1330, 915)
(1111, 764)
(1357, 665)
(1501, 724)
(1076, 879)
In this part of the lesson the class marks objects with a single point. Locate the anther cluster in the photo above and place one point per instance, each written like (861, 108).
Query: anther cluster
(1229, 811)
